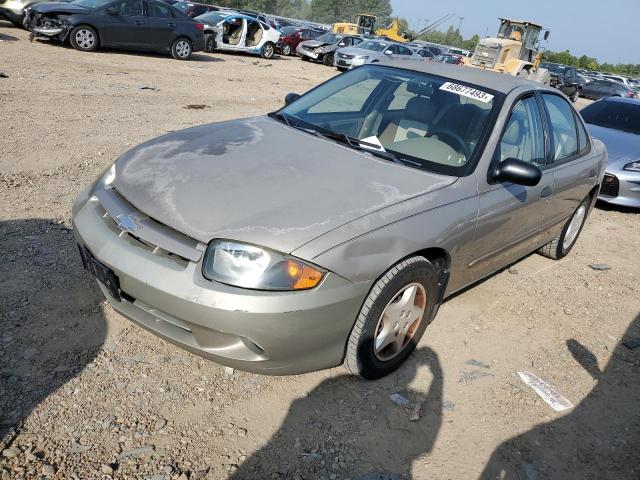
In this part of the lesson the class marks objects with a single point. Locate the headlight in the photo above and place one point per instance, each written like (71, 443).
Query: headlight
(248, 266)
(633, 166)
(321, 50)
(105, 179)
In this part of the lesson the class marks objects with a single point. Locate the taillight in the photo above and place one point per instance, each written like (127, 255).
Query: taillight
(631, 94)
(200, 26)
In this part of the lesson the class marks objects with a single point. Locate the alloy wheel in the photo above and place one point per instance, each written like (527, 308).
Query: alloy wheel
(399, 321)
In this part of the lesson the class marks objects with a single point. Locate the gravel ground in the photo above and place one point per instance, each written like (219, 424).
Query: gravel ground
(85, 394)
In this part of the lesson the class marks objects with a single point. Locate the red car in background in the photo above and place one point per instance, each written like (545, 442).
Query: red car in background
(292, 36)
(450, 58)
(192, 9)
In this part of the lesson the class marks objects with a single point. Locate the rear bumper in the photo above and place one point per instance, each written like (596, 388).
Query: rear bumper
(198, 44)
(12, 15)
(627, 193)
(277, 333)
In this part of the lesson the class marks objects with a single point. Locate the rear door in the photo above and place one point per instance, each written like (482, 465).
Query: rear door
(573, 171)
(124, 28)
(160, 25)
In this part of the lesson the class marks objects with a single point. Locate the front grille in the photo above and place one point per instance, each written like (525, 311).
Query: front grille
(485, 56)
(610, 186)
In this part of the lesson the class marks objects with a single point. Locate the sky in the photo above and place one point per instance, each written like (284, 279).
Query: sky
(606, 30)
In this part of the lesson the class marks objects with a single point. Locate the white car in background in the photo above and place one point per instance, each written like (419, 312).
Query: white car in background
(372, 51)
(236, 32)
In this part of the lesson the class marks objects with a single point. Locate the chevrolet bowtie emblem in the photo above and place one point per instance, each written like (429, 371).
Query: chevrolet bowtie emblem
(127, 222)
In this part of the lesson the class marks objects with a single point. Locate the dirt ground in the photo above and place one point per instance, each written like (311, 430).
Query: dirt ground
(84, 394)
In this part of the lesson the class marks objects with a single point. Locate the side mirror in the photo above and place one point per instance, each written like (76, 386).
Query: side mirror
(341, 44)
(111, 11)
(546, 34)
(291, 97)
(388, 52)
(516, 171)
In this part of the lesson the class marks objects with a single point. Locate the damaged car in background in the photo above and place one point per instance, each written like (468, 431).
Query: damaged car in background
(147, 25)
(323, 48)
(235, 32)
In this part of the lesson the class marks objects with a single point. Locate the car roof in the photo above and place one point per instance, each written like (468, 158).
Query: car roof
(500, 82)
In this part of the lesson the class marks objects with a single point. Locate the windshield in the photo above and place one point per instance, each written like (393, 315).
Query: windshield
(419, 119)
(212, 17)
(91, 3)
(613, 114)
(329, 38)
(372, 45)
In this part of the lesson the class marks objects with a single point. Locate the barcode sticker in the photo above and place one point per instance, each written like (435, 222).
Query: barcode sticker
(468, 92)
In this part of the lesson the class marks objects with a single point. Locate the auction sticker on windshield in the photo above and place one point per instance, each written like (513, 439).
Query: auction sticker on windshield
(465, 91)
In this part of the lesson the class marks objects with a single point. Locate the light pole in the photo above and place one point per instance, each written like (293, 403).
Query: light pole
(460, 24)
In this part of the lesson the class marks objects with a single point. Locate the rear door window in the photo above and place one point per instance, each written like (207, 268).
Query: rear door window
(563, 127)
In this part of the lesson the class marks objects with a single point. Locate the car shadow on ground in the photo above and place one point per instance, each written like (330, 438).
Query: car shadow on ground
(51, 322)
(314, 439)
(609, 207)
(599, 439)
(7, 38)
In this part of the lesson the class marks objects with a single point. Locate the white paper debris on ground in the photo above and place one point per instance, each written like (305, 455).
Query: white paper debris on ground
(546, 392)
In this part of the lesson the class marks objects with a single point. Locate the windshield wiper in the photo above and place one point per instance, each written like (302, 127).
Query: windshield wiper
(359, 145)
(281, 117)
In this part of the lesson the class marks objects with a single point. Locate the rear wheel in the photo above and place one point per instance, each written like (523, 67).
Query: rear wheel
(560, 246)
(267, 51)
(84, 38)
(575, 95)
(181, 49)
(327, 60)
(393, 318)
(209, 43)
(286, 49)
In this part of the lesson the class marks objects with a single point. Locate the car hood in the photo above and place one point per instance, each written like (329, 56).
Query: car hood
(358, 51)
(314, 43)
(260, 181)
(58, 7)
(622, 147)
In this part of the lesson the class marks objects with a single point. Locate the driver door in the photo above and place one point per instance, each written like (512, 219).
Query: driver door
(511, 216)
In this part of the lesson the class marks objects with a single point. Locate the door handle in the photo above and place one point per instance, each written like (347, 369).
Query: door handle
(172, 25)
(546, 192)
(138, 22)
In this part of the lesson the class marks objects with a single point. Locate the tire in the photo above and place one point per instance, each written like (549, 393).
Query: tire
(575, 95)
(286, 49)
(181, 48)
(210, 43)
(84, 38)
(327, 60)
(560, 246)
(367, 355)
(268, 50)
(305, 58)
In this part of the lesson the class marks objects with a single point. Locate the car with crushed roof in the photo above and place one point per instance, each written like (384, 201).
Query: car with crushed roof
(143, 25)
(330, 231)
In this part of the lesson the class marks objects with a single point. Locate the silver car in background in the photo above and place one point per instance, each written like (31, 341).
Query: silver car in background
(372, 51)
(324, 47)
(616, 122)
(330, 231)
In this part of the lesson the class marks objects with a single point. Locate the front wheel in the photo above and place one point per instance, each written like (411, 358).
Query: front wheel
(181, 49)
(560, 246)
(327, 60)
(84, 38)
(286, 49)
(393, 317)
(267, 51)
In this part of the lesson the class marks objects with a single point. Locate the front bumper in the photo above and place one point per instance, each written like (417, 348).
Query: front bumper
(621, 188)
(303, 52)
(348, 63)
(277, 333)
